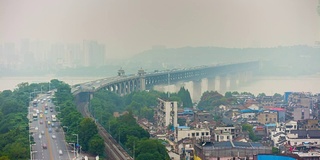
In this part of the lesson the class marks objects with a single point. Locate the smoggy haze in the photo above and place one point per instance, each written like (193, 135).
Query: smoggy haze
(128, 27)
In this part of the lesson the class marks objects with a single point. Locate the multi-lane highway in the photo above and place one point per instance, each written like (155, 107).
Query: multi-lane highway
(48, 135)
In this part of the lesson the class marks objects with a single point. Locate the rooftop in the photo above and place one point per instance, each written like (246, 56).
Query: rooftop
(232, 144)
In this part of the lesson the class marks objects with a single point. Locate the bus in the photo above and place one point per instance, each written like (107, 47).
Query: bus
(35, 116)
(53, 118)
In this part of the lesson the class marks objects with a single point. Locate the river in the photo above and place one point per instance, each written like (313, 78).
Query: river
(267, 85)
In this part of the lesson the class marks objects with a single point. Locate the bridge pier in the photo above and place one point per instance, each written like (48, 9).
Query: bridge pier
(233, 78)
(244, 77)
(211, 83)
(223, 84)
(196, 90)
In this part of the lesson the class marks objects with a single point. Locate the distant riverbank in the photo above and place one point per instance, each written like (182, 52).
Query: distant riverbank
(261, 84)
(274, 84)
(9, 83)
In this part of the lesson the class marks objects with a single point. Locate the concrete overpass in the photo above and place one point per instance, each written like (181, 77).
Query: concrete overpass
(229, 77)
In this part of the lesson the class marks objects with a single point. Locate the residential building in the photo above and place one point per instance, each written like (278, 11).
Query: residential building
(281, 113)
(248, 113)
(166, 113)
(301, 113)
(202, 116)
(299, 137)
(183, 132)
(267, 117)
(229, 150)
(226, 133)
(291, 125)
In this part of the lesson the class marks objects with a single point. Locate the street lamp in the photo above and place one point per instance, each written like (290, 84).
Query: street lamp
(77, 141)
(32, 153)
(74, 149)
(66, 127)
(31, 149)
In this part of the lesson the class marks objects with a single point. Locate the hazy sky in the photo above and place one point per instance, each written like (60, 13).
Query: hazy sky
(131, 26)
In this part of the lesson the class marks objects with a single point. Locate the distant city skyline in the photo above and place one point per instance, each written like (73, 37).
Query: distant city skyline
(37, 54)
(130, 27)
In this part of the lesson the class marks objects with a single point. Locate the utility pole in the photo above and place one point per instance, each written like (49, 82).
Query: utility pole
(168, 84)
(134, 144)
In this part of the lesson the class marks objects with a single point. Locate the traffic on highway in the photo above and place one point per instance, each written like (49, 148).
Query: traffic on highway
(46, 131)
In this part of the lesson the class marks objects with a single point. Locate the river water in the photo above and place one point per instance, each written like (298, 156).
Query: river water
(267, 85)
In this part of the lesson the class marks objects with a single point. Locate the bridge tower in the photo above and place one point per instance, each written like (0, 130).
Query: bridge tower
(121, 72)
(142, 79)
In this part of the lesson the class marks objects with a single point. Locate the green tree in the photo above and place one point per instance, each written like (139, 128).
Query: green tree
(96, 145)
(153, 147)
(87, 129)
(228, 94)
(277, 95)
(275, 150)
(185, 97)
(181, 121)
(249, 128)
(261, 95)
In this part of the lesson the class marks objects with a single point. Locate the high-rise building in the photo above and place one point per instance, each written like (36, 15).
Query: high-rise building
(26, 54)
(166, 114)
(94, 53)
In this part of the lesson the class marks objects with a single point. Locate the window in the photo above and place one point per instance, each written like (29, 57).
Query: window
(207, 133)
(274, 119)
(227, 137)
(192, 134)
(197, 133)
(202, 133)
(221, 137)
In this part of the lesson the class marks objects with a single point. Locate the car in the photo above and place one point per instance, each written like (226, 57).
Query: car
(41, 115)
(41, 122)
(42, 132)
(50, 130)
(49, 122)
(51, 110)
(53, 136)
(52, 124)
(45, 112)
(44, 146)
(60, 152)
(36, 128)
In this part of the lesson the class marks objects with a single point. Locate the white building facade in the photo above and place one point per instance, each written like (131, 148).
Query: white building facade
(167, 113)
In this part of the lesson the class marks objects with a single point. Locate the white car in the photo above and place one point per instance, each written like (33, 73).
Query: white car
(36, 128)
(54, 136)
